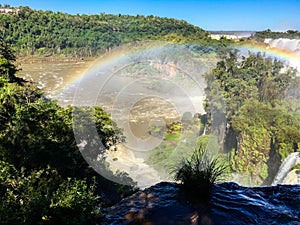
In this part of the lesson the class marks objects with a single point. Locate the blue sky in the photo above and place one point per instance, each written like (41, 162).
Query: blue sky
(209, 15)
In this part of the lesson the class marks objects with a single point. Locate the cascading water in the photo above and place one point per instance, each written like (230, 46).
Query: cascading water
(143, 86)
(290, 47)
(284, 43)
(230, 204)
(204, 131)
(125, 160)
(290, 161)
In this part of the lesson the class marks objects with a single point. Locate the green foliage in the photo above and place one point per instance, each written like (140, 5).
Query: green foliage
(45, 32)
(261, 126)
(252, 77)
(43, 177)
(7, 69)
(73, 197)
(43, 197)
(7, 58)
(291, 34)
(198, 174)
(296, 167)
(179, 138)
(252, 101)
(37, 132)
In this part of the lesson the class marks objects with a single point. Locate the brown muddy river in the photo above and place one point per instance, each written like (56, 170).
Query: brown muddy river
(151, 87)
(53, 76)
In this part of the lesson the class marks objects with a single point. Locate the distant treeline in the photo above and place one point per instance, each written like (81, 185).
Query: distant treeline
(46, 32)
(291, 34)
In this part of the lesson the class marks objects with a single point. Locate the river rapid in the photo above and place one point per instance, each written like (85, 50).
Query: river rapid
(139, 87)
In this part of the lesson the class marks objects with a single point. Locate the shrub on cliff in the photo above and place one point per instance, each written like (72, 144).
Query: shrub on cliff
(198, 174)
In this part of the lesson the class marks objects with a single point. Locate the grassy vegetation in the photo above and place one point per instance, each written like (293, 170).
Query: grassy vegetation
(176, 142)
(198, 174)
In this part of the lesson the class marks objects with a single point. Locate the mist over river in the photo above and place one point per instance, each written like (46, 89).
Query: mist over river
(140, 87)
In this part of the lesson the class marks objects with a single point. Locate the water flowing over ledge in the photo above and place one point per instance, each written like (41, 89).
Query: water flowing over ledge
(290, 161)
(230, 204)
(284, 43)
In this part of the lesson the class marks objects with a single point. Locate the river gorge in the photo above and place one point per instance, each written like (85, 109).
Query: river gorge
(140, 87)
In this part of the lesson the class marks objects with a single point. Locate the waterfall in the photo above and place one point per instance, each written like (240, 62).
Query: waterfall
(291, 46)
(204, 131)
(126, 161)
(290, 161)
(284, 43)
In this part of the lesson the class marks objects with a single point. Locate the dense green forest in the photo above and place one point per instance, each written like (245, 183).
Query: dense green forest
(44, 178)
(45, 32)
(253, 102)
(290, 34)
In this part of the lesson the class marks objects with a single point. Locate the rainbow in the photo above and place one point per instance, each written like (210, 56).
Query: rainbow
(287, 56)
(113, 57)
(122, 53)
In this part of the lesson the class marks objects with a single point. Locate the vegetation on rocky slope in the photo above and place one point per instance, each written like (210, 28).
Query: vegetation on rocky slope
(252, 110)
(252, 106)
(44, 178)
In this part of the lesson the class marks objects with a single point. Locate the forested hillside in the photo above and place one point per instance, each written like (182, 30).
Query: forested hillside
(254, 102)
(45, 32)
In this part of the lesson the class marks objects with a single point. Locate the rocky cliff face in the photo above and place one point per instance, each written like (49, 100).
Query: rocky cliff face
(159, 204)
(293, 177)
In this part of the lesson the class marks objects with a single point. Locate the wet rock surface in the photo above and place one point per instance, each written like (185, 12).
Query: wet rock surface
(230, 204)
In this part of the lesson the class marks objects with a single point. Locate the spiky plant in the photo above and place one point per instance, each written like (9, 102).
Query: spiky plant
(198, 174)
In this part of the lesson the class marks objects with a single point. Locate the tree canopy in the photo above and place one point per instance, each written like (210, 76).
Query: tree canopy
(45, 32)
(44, 178)
(291, 34)
(251, 105)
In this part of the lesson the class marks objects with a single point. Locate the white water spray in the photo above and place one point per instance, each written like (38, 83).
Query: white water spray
(291, 45)
(285, 44)
(290, 161)
(125, 160)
